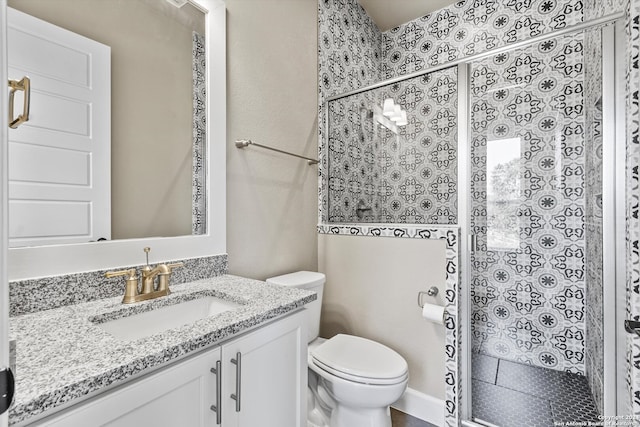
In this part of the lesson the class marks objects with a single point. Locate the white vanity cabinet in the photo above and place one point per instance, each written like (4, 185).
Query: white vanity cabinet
(263, 379)
(179, 395)
(267, 369)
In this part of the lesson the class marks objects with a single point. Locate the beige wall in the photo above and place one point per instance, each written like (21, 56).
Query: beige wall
(151, 114)
(272, 99)
(371, 291)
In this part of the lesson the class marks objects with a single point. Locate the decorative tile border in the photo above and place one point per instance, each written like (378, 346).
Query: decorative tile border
(29, 296)
(453, 339)
(594, 310)
(633, 198)
(199, 178)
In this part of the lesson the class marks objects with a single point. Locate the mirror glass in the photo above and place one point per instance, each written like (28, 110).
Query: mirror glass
(126, 161)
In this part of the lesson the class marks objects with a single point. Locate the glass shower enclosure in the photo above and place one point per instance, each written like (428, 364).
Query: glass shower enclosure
(536, 266)
(517, 148)
(386, 170)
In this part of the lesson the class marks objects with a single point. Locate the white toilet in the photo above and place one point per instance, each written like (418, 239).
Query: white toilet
(352, 380)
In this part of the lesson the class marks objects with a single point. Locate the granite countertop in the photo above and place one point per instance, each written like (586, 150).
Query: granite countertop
(62, 355)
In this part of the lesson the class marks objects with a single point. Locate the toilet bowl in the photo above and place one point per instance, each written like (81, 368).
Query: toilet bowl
(352, 380)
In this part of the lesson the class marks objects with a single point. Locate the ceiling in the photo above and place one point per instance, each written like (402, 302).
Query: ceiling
(388, 14)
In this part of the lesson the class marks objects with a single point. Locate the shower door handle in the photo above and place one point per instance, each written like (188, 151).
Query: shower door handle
(473, 242)
(632, 326)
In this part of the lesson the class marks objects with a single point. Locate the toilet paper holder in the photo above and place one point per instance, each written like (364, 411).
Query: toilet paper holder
(432, 292)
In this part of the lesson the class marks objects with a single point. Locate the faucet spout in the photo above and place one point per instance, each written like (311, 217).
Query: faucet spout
(148, 278)
(163, 273)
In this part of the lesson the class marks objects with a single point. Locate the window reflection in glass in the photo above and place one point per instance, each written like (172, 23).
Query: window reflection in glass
(503, 193)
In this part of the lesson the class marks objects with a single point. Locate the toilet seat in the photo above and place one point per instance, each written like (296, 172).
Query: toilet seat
(360, 360)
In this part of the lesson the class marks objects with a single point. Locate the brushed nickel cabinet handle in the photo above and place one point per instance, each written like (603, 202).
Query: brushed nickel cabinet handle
(236, 396)
(217, 408)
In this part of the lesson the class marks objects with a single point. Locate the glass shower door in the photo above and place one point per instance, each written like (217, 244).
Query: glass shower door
(528, 202)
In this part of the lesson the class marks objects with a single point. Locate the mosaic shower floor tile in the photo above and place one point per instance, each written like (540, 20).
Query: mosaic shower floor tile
(509, 394)
(484, 368)
(532, 380)
(508, 408)
(568, 393)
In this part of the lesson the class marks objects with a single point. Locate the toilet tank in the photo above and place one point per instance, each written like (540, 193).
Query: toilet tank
(308, 280)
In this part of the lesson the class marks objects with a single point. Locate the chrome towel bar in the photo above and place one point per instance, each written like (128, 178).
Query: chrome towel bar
(242, 143)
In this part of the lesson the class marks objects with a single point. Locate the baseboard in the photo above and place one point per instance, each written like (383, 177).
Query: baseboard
(422, 406)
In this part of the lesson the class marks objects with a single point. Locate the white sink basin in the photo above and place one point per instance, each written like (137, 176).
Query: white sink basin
(165, 318)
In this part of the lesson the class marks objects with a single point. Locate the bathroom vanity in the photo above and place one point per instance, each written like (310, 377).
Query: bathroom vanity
(240, 362)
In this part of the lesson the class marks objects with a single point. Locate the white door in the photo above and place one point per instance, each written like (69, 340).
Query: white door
(59, 161)
(4, 288)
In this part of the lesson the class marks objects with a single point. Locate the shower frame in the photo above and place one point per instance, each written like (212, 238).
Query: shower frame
(613, 211)
(614, 208)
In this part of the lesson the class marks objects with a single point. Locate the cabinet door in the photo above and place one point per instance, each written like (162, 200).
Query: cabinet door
(180, 395)
(265, 376)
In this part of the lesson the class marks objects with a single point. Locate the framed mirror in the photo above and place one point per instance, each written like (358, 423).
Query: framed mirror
(43, 260)
(114, 145)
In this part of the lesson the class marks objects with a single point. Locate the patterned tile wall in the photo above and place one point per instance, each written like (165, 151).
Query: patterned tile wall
(594, 310)
(527, 186)
(463, 29)
(597, 8)
(470, 27)
(353, 167)
(633, 196)
(349, 55)
(377, 175)
(632, 90)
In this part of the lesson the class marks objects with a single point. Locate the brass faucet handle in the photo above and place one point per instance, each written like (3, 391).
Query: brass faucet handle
(163, 277)
(129, 272)
(131, 287)
(175, 265)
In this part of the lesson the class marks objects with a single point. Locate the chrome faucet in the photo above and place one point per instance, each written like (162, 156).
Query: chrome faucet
(145, 288)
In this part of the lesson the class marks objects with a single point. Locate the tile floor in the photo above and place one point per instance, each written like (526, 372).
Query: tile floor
(509, 394)
(400, 419)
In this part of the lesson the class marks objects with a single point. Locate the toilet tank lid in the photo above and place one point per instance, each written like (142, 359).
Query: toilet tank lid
(299, 279)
